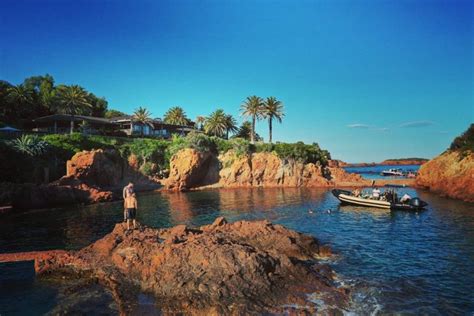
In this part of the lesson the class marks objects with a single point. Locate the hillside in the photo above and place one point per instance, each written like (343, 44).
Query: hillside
(452, 173)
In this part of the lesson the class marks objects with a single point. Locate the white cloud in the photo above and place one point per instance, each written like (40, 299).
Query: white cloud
(416, 124)
(357, 125)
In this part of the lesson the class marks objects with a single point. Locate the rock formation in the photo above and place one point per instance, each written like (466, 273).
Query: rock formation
(239, 268)
(191, 169)
(450, 174)
(91, 176)
(105, 169)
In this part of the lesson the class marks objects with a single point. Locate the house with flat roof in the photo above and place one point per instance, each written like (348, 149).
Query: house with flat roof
(125, 125)
(62, 124)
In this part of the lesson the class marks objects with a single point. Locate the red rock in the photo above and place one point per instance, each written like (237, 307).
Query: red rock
(187, 168)
(191, 169)
(450, 174)
(238, 268)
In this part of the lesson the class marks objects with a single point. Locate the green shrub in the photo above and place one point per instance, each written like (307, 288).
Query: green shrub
(241, 147)
(148, 169)
(264, 148)
(198, 141)
(302, 152)
(464, 142)
(30, 145)
(222, 145)
(147, 150)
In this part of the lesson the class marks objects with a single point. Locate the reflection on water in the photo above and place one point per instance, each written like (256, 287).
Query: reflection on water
(398, 262)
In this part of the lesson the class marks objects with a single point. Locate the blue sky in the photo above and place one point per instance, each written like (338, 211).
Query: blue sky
(368, 80)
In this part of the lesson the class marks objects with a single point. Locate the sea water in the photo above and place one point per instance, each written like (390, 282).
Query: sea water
(395, 262)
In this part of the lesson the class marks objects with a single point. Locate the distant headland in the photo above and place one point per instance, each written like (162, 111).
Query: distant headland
(388, 162)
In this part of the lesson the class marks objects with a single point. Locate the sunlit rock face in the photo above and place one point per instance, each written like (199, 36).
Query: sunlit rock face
(191, 169)
(450, 174)
(222, 268)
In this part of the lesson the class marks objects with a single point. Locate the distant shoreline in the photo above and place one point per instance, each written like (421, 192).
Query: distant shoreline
(388, 162)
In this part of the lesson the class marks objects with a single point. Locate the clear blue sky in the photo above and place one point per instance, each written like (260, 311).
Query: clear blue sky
(367, 80)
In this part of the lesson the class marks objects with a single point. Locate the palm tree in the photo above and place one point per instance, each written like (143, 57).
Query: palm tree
(200, 120)
(216, 123)
(231, 125)
(272, 109)
(245, 132)
(71, 100)
(253, 108)
(143, 116)
(22, 96)
(176, 116)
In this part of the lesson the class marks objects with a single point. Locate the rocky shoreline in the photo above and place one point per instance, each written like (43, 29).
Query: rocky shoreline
(246, 267)
(99, 176)
(190, 169)
(91, 177)
(450, 174)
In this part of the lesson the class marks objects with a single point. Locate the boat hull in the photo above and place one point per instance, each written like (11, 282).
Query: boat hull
(346, 198)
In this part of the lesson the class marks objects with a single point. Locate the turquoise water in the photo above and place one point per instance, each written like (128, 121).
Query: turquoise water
(396, 262)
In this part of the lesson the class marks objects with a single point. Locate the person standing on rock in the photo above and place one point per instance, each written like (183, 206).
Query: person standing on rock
(130, 204)
(127, 190)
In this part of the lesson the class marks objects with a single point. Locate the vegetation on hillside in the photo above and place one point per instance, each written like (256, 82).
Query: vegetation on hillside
(20, 157)
(464, 142)
(39, 96)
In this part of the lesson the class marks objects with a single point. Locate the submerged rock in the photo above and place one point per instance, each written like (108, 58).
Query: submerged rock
(222, 268)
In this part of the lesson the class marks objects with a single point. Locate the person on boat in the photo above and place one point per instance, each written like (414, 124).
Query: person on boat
(127, 190)
(130, 204)
(405, 198)
(376, 193)
(356, 193)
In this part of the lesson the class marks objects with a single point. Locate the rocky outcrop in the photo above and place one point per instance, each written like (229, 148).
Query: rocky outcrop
(107, 170)
(68, 191)
(450, 174)
(91, 176)
(239, 268)
(191, 169)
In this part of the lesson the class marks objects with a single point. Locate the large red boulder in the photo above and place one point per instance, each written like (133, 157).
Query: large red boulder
(450, 174)
(239, 268)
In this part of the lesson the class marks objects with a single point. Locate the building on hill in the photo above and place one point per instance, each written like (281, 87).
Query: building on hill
(124, 125)
(61, 124)
(155, 127)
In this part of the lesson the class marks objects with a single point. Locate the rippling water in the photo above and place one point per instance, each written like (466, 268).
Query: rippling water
(374, 172)
(397, 262)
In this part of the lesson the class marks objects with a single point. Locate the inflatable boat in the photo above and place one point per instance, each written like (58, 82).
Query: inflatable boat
(346, 197)
(392, 172)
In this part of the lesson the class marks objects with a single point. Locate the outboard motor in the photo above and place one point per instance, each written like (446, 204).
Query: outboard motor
(416, 202)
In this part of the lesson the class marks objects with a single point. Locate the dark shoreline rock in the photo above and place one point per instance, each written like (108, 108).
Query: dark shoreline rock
(239, 268)
(92, 177)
